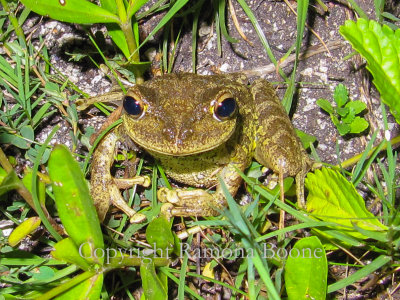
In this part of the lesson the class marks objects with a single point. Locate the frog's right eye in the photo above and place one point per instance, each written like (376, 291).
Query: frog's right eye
(134, 107)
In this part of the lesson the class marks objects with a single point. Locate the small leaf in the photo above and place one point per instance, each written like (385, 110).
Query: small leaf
(334, 199)
(358, 125)
(342, 111)
(27, 133)
(22, 230)
(306, 270)
(343, 128)
(158, 233)
(208, 270)
(72, 11)
(357, 105)
(325, 105)
(305, 138)
(6, 138)
(66, 250)
(340, 95)
(350, 116)
(45, 273)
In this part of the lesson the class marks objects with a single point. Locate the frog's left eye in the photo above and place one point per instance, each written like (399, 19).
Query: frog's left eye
(134, 107)
(225, 107)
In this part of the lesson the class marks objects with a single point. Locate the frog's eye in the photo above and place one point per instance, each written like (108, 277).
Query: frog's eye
(225, 107)
(134, 107)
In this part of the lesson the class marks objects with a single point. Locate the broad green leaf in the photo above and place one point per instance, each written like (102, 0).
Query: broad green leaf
(326, 106)
(110, 5)
(89, 289)
(357, 105)
(152, 285)
(306, 270)
(380, 46)
(158, 233)
(340, 95)
(66, 250)
(306, 139)
(45, 273)
(74, 204)
(358, 125)
(22, 230)
(334, 199)
(72, 11)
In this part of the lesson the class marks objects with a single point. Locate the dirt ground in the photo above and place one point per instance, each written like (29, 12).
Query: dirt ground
(319, 74)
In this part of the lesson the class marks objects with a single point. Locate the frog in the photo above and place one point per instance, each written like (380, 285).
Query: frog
(203, 130)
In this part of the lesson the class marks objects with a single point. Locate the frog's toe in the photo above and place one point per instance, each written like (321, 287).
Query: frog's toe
(166, 195)
(137, 218)
(125, 183)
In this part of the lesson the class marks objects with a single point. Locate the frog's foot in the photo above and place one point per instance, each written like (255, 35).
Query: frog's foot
(197, 202)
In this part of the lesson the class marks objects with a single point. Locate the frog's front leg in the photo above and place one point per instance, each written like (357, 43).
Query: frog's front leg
(104, 188)
(198, 202)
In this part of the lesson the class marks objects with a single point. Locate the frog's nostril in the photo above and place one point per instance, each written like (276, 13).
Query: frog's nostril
(169, 133)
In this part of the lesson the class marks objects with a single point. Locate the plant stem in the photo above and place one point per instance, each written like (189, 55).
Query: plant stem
(353, 160)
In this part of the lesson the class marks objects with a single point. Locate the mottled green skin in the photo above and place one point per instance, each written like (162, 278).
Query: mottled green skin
(179, 129)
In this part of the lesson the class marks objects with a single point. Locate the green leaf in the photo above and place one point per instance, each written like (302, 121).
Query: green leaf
(110, 5)
(343, 128)
(306, 270)
(66, 250)
(74, 204)
(380, 46)
(349, 117)
(7, 138)
(342, 111)
(135, 6)
(159, 233)
(357, 105)
(118, 38)
(22, 230)
(340, 95)
(326, 106)
(152, 285)
(45, 273)
(3, 174)
(306, 139)
(10, 182)
(89, 289)
(332, 198)
(72, 11)
(358, 125)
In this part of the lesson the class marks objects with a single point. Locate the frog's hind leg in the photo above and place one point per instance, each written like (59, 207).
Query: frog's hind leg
(104, 188)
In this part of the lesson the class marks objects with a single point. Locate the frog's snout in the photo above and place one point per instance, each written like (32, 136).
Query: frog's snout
(176, 135)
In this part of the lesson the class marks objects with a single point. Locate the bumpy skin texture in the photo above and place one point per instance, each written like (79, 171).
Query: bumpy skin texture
(179, 128)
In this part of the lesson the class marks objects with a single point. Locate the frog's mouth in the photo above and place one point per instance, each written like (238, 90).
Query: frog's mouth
(177, 139)
(179, 147)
